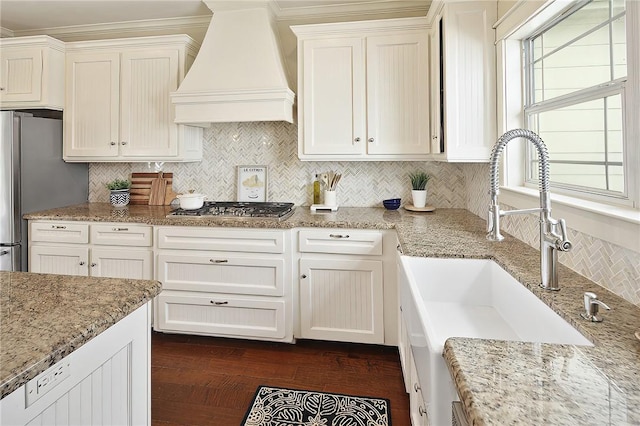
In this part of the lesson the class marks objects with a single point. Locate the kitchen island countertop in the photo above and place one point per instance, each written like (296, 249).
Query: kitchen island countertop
(499, 382)
(45, 317)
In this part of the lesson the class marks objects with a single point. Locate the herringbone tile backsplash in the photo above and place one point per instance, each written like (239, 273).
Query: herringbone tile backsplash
(366, 184)
(274, 144)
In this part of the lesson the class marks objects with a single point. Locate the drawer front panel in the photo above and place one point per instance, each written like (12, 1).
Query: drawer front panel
(221, 315)
(59, 232)
(122, 235)
(245, 240)
(221, 273)
(340, 241)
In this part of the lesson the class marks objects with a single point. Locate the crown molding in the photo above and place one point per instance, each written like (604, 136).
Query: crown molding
(123, 29)
(6, 32)
(377, 8)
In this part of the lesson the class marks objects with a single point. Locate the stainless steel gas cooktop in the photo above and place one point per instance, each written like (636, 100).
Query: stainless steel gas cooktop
(238, 209)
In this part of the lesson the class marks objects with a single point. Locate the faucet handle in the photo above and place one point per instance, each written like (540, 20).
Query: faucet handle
(564, 244)
(591, 304)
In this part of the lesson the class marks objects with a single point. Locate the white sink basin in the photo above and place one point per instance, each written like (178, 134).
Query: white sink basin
(444, 298)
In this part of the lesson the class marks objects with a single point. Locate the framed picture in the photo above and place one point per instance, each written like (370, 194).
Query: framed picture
(252, 183)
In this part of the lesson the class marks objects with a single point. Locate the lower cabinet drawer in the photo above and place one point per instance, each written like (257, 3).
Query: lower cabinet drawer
(122, 235)
(221, 315)
(219, 272)
(59, 232)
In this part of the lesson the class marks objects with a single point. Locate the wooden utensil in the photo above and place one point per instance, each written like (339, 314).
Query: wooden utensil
(158, 190)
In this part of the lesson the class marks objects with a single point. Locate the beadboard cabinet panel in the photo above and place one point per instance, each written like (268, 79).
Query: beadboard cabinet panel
(32, 72)
(342, 300)
(364, 90)
(334, 74)
(91, 116)
(397, 94)
(118, 98)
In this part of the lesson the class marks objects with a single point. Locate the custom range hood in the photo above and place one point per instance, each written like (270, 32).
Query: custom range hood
(238, 74)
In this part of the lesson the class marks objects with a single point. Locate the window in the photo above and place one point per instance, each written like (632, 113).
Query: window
(575, 78)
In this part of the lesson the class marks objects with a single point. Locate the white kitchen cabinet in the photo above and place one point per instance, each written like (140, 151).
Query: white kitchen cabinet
(224, 282)
(98, 250)
(342, 300)
(363, 90)
(342, 293)
(117, 101)
(463, 81)
(32, 73)
(105, 381)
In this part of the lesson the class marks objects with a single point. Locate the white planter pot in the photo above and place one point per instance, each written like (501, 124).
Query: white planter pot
(119, 197)
(419, 197)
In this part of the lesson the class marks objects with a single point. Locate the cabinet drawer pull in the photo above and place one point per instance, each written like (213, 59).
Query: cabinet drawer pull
(218, 261)
(3, 252)
(219, 303)
(416, 387)
(58, 227)
(422, 411)
(119, 229)
(399, 248)
(338, 236)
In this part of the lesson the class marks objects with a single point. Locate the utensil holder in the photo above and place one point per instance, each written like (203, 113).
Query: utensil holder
(330, 198)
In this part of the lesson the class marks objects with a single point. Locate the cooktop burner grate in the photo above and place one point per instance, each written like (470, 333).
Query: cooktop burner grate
(239, 209)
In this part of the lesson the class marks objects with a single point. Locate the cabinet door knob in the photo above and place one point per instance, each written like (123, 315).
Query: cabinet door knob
(219, 303)
(422, 411)
(416, 387)
(304, 276)
(82, 263)
(3, 252)
(356, 140)
(371, 140)
(123, 143)
(93, 265)
(434, 137)
(112, 143)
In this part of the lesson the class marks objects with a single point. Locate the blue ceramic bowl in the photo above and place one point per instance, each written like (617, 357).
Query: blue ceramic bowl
(391, 204)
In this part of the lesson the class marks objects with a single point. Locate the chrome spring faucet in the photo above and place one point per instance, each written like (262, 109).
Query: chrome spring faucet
(553, 233)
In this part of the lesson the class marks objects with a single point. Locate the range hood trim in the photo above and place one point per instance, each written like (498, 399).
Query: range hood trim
(201, 109)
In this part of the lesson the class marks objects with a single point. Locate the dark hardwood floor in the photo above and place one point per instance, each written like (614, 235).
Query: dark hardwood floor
(199, 380)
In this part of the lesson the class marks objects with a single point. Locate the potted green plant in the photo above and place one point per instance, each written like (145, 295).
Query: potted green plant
(119, 196)
(419, 182)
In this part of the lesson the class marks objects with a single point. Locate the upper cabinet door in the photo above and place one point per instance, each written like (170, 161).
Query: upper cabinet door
(398, 94)
(333, 82)
(148, 77)
(21, 74)
(363, 90)
(92, 105)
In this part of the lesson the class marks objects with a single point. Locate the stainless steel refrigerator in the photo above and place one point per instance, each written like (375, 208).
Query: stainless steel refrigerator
(33, 177)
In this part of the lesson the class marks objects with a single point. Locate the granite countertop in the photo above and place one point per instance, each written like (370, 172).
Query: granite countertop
(499, 382)
(45, 317)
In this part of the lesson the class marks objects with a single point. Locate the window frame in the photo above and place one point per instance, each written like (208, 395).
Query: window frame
(598, 92)
(617, 223)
